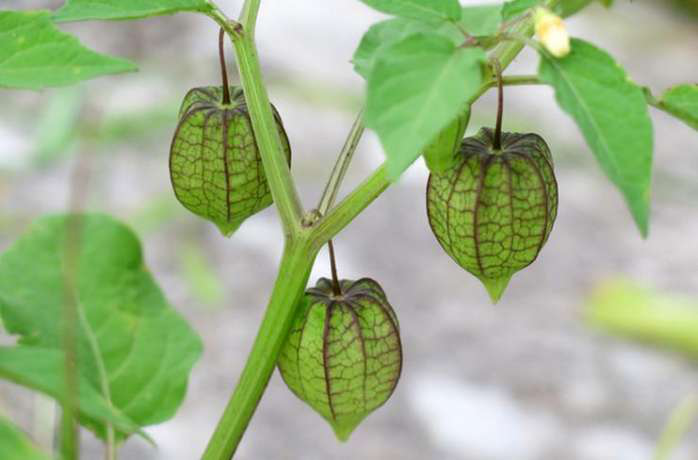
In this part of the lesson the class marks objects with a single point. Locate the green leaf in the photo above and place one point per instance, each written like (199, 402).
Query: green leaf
(424, 10)
(81, 10)
(482, 20)
(42, 369)
(417, 87)
(682, 102)
(476, 20)
(566, 8)
(382, 35)
(569, 7)
(131, 344)
(34, 54)
(612, 114)
(16, 445)
(515, 8)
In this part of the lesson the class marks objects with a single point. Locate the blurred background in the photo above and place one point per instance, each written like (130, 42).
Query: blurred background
(553, 372)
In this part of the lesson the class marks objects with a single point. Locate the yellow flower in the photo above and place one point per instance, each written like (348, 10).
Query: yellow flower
(552, 32)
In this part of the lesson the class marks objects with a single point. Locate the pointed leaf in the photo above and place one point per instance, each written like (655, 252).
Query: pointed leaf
(382, 35)
(16, 445)
(682, 102)
(425, 10)
(417, 87)
(612, 114)
(42, 369)
(81, 10)
(34, 54)
(570, 7)
(515, 8)
(481, 20)
(131, 344)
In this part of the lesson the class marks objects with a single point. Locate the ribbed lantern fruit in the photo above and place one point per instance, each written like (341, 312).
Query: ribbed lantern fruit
(343, 356)
(493, 211)
(215, 166)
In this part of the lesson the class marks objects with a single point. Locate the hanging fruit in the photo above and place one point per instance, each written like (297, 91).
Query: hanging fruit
(215, 166)
(343, 356)
(493, 210)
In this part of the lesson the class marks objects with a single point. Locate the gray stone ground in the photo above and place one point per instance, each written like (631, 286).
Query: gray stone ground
(526, 379)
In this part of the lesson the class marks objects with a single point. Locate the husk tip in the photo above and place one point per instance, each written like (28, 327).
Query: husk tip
(228, 228)
(345, 428)
(496, 287)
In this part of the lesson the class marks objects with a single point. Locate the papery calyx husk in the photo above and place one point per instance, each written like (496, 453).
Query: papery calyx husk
(215, 166)
(493, 210)
(343, 355)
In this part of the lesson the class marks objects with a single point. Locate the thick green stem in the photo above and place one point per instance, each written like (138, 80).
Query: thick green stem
(292, 278)
(520, 80)
(274, 160)
(248, 17)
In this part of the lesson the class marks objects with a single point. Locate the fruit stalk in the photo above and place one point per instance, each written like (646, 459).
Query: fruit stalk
(224, 68)
(500, 105)
(336, 289)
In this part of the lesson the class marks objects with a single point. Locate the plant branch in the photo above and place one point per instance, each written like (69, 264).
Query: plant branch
(520, 80)
(292, 278)
(232, 28)
(340, 168)
(341, 215)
